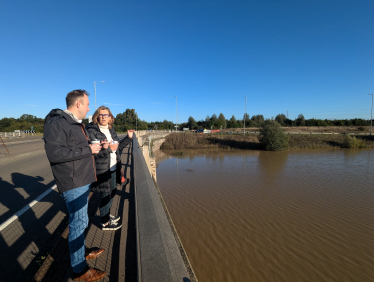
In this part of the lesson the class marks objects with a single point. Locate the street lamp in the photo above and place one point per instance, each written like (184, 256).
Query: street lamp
(371, 119)
(245, 112)
(95, 91)
(176, 112)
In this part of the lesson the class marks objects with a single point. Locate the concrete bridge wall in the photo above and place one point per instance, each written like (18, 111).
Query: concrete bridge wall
(161, 256)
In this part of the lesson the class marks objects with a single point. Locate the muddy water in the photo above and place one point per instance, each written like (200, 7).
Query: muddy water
(270, 216)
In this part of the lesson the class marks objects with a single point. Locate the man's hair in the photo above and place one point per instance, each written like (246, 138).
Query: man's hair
(75, 95)
(95, 117)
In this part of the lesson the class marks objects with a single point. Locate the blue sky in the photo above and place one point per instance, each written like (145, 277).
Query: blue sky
(310, 57)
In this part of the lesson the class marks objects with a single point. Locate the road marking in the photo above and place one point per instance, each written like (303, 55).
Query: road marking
(11, 157)
(23, 142)
(25, 208)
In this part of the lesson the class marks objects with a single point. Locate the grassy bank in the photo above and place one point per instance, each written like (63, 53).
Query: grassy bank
(313, 129)
(180, 141)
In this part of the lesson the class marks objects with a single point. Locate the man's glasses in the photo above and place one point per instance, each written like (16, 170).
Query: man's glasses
(104, 115)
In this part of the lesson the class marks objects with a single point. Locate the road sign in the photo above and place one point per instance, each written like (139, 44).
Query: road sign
(32, 127)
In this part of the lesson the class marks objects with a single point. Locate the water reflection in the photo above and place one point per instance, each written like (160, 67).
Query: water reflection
(264, 216)
(272, 163)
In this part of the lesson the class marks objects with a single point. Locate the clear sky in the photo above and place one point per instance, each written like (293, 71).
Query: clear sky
(314, 57)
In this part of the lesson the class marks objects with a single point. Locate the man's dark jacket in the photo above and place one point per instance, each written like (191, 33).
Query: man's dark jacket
(102, 159)
(68, 151)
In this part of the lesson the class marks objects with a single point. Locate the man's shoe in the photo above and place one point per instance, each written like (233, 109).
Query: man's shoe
(111, 226)
(89, 274)
(114, 218)
(92, 254)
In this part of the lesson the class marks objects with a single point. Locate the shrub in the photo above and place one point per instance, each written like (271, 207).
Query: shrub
(273, 136)
(353, 142)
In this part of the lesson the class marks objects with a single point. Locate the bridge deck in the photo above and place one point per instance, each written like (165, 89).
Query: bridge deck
(119, 258)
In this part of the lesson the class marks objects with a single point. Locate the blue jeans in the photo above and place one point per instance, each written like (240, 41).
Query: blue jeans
(77, 201)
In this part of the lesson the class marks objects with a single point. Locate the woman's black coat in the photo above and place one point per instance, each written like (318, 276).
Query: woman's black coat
(102, 159)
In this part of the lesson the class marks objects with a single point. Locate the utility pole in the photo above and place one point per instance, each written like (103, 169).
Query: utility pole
(176, 112)
(245, 112)
(287, 114)
(95, 91)
(371, 117)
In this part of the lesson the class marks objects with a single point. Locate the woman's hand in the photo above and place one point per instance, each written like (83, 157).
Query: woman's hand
(113, 147)
(105, 144)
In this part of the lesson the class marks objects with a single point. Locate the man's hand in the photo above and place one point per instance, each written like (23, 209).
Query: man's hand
(105, 144)
(130, 133)
(95, 148)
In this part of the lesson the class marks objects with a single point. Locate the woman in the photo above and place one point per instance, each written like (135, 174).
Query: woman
(108, 163)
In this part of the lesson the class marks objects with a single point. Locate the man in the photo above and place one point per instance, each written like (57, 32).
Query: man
(71, 158)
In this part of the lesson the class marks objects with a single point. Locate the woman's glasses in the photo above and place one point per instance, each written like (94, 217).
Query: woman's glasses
(104, 115)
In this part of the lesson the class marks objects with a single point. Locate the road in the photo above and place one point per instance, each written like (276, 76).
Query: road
(24, 176)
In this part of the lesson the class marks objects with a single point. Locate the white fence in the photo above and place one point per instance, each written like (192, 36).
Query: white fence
(12, 134)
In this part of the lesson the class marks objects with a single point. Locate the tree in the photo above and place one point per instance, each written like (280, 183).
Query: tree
(273, 137)
(167, 124)
(257, 119)
(246, 119)
(281, 119)
(214, 118)
(300, 121)
(207, 119)
(191, 123)
(222, 119)
(232, 123)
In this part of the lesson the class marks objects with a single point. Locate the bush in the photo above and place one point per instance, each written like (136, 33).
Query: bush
(273, 137)
(353, 142)
(361, 128)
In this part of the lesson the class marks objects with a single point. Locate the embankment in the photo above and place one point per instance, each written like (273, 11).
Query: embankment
(181, 141)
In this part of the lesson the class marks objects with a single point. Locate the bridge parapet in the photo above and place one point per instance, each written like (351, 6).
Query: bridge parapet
(161, 256)
(145, 138)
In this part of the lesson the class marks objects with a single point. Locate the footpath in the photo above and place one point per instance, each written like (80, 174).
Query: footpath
(119, 259)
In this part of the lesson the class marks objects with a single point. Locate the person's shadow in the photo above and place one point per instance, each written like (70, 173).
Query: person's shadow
(27, 240)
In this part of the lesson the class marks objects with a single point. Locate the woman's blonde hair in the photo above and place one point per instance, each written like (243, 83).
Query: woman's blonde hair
(95, 118)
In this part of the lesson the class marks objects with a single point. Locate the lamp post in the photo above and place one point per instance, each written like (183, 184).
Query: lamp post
(371, 117)
(245, 112)
(95, 91)
(176, 112)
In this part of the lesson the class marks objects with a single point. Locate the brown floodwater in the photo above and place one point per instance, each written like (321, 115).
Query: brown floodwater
(274, 216)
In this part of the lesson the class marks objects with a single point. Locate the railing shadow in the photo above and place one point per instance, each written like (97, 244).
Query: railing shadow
(27, 240)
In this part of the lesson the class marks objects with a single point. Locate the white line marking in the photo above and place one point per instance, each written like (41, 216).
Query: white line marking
(23, 142)
(25, 208)
(11, 157)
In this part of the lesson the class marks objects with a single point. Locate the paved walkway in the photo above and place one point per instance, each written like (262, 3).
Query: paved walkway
(119, 258)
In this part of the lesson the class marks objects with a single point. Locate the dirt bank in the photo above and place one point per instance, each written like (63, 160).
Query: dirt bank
(182, 141)
(313, 129)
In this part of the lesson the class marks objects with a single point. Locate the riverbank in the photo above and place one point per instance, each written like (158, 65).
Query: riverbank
(181, 141)
(308, 129)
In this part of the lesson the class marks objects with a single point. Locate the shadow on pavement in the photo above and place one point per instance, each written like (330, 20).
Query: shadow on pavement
(27, 240)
